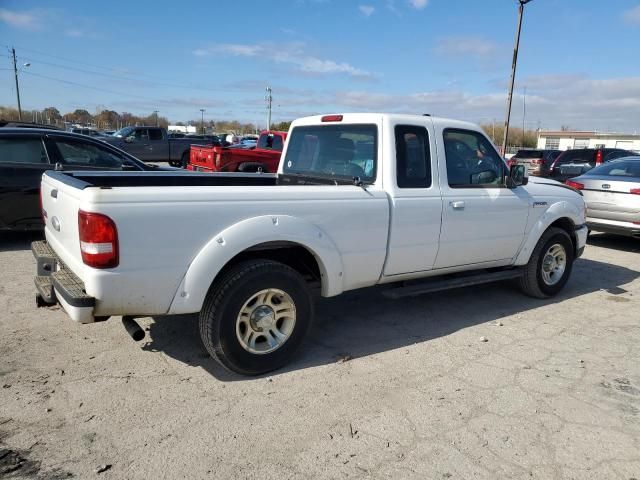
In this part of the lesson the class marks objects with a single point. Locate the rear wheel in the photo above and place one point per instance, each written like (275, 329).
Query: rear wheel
(550, 265)
(255, 316)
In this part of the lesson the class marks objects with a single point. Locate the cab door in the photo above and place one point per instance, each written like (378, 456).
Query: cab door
(416, 204)
(23, 160)
(482, 220)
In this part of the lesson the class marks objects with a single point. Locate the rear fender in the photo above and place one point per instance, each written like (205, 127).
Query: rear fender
(558, 210)
(237, 238)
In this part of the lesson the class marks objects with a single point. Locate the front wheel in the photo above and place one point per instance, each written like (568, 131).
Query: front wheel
(550, 265)
(255, 316)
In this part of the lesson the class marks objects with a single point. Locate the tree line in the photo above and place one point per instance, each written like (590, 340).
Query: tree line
(106, 119)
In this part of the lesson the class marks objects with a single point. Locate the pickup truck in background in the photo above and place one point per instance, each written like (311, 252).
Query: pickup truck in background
(265, 156)
(152, 144)
(359, 200)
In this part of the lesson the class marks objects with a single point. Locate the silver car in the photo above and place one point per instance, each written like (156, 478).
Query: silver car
(612, 195)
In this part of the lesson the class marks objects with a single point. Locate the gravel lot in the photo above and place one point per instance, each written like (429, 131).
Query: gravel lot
(382, 388)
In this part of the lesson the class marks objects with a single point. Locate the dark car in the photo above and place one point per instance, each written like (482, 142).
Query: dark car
(572, 163)
(25, 153)
(538, 162)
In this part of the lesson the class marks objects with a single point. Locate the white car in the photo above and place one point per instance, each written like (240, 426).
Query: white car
(359, 200)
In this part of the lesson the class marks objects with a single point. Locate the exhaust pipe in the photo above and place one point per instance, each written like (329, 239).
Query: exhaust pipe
(133, 329)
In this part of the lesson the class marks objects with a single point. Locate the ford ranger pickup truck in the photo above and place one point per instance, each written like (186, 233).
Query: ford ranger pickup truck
(358, 200)
(265, 156)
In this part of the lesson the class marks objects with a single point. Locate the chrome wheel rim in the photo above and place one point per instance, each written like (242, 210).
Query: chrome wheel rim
(266, 321)
(554, 263)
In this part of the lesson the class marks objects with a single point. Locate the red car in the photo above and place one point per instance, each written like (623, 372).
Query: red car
(265, 156)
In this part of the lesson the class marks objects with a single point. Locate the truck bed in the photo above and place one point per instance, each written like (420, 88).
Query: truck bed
(82, 180)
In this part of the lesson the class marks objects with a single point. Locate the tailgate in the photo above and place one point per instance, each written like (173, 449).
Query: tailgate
(202, 157)
(60, 204)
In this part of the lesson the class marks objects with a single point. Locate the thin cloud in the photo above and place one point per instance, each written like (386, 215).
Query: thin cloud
(24, 20)
(291, 54)
(476, 47)
(632, 16)
(367, 10)
(418, 4)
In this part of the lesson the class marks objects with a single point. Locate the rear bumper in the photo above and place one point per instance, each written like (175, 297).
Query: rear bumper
(56, 283)
(615, 227)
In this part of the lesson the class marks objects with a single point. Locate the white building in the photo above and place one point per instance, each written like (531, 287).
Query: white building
(182, 128)
(560, 140)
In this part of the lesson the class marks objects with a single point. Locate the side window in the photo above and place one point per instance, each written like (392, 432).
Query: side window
(155, 134)
(75, 153)
(413, 157)
(22, 150)
(471, 160)
(141, 134)
(615, 154)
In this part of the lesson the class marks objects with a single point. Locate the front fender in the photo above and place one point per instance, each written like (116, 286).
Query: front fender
(243, 235)
(562, 209)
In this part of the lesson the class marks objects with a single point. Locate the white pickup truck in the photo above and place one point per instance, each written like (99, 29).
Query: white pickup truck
(359, 200)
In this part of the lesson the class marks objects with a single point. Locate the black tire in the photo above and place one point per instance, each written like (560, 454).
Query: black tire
(185, 159)
(532, 282)
(225, 300)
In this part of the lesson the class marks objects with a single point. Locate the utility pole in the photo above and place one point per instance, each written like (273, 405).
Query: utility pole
(156, 114)
(269, 99)
(524, 112)
(513, 74)
(15, 72)
(202, 124)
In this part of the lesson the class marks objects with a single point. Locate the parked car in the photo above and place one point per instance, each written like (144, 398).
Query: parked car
(152, 144)
(572, 163)
(538, 162)
(88, 131)
(359, 200)
(612, 194)
(25, 153)
(264, 156)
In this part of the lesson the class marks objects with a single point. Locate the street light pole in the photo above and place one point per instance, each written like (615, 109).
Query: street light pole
(513, 75)
(15, 72)
(156, 114)
(524, 112)
(269, 99)
(202, 112)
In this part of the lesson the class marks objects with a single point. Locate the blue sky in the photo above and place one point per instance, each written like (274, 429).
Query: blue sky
(578, 58)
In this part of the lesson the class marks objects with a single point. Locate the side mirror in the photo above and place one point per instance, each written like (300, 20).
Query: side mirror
(518, 175)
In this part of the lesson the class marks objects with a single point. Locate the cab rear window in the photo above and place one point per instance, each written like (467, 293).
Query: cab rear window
(344, 151)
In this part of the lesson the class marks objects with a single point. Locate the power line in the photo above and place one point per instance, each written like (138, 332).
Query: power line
(118, 74)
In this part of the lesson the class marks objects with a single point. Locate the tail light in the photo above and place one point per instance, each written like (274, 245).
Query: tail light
(537, 161)
(98, 240)
(635, 191)
(332, 118)
(599, 157)
(576, 185)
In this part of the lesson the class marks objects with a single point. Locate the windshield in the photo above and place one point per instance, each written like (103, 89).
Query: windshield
(124, 132)
(345, 151)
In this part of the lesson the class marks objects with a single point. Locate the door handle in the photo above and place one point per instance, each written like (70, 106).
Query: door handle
(459, 205)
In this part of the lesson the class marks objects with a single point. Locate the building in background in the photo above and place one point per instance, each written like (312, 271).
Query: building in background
(182, 128)
(567, 140)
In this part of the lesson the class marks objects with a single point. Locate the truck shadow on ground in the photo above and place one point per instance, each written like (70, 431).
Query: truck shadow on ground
(362, 323)
(614, 242)
(15, 241)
